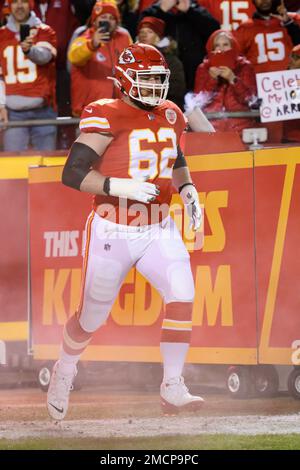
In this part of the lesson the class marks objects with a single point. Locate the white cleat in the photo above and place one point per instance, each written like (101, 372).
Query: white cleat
(58, 392)
(175, 396)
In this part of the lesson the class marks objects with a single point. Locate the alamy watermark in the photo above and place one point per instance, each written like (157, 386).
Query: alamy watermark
(140, 217)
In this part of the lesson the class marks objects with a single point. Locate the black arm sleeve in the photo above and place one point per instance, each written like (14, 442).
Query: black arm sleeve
(180, 160)
(78, 164)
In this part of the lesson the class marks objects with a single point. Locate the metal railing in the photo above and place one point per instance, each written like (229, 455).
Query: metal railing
(60, 121)
(68, 120)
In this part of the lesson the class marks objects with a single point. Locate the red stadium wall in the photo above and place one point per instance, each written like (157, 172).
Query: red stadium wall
(242, 311)
(14, 244)
(225, 290)
(246, 305)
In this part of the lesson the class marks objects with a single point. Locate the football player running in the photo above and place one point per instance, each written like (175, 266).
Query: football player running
(128, 156)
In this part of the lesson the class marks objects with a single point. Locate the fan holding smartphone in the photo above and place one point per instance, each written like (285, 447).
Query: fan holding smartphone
(225, 81)
(31, 63)
(102, 33)
(94, 54)
(105, 19)
(222, 57)
(104, 26)
(26, 40)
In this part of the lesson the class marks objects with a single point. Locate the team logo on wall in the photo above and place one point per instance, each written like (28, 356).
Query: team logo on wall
(171, 116)
(100, 57)
(126, 57)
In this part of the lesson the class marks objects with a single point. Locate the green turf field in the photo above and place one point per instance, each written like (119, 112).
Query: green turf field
(203, 442)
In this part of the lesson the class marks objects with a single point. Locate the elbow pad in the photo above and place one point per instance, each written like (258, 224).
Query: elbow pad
(78, 164)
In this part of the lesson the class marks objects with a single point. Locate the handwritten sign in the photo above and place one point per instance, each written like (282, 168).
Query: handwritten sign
(280, 95)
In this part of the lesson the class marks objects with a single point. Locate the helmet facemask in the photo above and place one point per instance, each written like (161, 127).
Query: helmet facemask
(141, 80)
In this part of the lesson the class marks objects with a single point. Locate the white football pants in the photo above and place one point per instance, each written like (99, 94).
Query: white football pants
(111, 250)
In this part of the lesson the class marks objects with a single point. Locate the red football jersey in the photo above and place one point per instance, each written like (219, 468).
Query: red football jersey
(21, 75)
(265, 43)
(229, 13)
(144, 146)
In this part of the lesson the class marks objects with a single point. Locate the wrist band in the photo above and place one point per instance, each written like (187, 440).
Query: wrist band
(106, 186)
(184, 185)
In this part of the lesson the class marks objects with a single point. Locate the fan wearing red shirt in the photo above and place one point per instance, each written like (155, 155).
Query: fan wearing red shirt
(267, 41)
(93, 56)
(227, 86)
(268, 38)
(28, 72)
(229, 13)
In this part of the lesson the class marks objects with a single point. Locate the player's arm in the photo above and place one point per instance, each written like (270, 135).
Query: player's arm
(86, 152)
(78, 172)
(183, 183)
